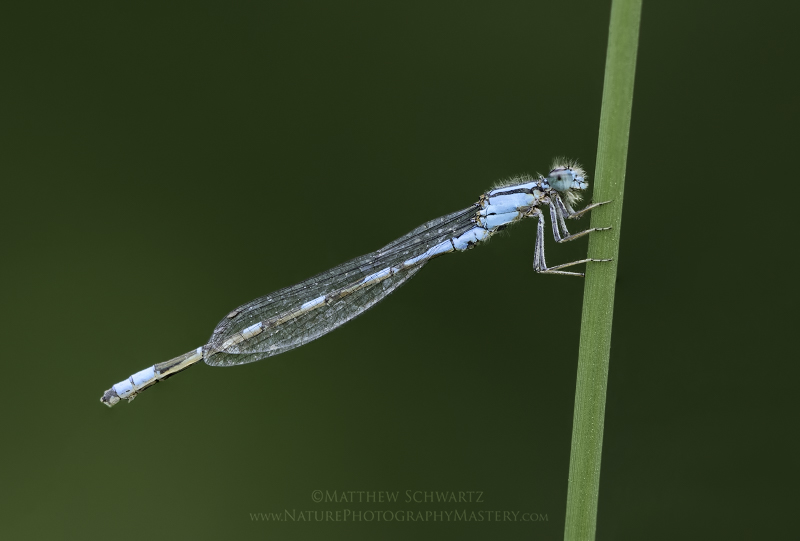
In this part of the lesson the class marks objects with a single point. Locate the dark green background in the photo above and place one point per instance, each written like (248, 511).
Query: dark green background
(164, 163)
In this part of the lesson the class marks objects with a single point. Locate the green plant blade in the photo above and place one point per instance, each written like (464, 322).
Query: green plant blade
(598, 300)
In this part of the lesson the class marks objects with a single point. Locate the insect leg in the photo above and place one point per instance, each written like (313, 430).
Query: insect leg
(557, 211)
(574, 215)
(539, 263)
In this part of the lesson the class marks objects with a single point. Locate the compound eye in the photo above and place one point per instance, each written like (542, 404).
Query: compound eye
(561, 178)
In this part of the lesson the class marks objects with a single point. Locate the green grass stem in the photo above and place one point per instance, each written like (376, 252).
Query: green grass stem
(598, 299)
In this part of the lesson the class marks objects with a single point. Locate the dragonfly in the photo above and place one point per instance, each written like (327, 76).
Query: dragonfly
(296, 315)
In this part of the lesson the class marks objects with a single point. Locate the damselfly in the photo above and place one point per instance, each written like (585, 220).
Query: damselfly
(296, 315)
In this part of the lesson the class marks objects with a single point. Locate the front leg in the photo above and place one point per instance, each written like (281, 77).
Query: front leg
(557, 212)
(574, 215)
(539, 263)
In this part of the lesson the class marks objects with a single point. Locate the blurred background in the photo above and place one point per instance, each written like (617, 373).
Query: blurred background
(162, 164)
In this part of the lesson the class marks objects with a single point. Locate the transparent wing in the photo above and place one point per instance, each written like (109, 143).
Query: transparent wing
(315, 323)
